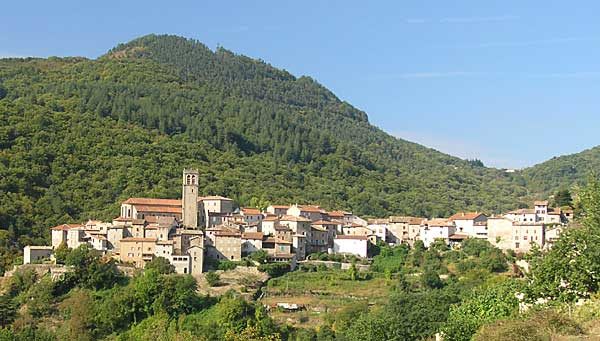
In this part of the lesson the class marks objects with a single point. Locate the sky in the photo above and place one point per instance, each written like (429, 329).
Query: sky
(512, 83)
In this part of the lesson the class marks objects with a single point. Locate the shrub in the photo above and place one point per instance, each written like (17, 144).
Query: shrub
(275, 269)
(212, 278)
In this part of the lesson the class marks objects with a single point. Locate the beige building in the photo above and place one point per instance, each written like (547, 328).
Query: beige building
(403, 229)
(196, 254)
(276, 246)
(139, 208)
(138, 251)
(226, 245)
(251, 242)
(514, 235)
(214, 208)
(318, 239)
(268, 225)
(298, 224)
(59, 233)
(310, 212)
(278, 210)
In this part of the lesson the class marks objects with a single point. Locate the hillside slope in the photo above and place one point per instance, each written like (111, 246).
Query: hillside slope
(563, 172)
(78, 135)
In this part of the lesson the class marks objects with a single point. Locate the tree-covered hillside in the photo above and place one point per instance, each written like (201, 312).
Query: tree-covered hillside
(77, 136)
(563, 172)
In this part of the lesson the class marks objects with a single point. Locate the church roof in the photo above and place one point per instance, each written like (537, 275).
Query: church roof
(153, 202)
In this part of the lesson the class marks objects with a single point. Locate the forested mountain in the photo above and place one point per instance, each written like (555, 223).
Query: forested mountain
(563, 172)
(77, 136)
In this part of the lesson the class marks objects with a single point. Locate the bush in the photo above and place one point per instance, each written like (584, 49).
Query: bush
(226, 265)
(212, 278)
(275, 269)
(537, 325)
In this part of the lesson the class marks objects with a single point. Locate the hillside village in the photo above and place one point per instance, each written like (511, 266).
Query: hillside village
(188, 231)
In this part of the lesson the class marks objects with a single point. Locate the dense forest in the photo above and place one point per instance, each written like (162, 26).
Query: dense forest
(77, 136)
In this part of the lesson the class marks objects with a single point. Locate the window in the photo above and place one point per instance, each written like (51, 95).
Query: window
(524, 237)
(516, 245)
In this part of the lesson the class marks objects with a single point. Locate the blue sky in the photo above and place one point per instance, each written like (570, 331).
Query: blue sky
(510, 82)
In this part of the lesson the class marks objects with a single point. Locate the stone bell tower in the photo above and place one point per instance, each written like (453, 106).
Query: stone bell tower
(189, 199)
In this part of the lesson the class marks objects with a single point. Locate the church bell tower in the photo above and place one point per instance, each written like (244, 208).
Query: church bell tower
(189, 200)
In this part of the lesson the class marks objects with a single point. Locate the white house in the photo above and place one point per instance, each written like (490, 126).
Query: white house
(355, 245)
(473, 224)
(379, 228)
(433, 229)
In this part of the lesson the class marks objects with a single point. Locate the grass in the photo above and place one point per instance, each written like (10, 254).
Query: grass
(321, 294)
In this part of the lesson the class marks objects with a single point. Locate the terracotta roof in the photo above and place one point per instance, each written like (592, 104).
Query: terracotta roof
(458, 236)
(465, 216)
(282, 228)
(323, 222)
(151, 219)
(271, 218)
(165, 221)
(345, 236)
(318, 228)
(214, 197)
(280, 206)
(311, 208)
(250, 211)
(406, 219)
(158, 208)
(439, 222)
(276, 240)
(223, 233)
(293, 218)
(65, 227)
(336, 222)
(134, 239)
(378, 221)
(138, 221)
(122, 219)
(153, 202)
(252, 235)
(338, 213)
(523, 211)
(540, 203)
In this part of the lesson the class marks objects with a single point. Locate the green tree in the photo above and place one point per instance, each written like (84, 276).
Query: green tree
(8, 310)
(571, 269)
(562, 198)
(161, 265)
(61, 253)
